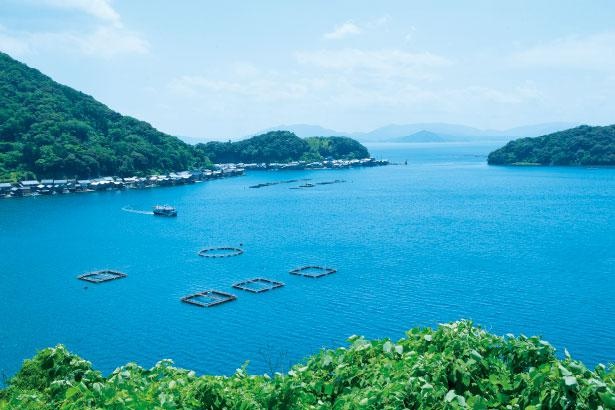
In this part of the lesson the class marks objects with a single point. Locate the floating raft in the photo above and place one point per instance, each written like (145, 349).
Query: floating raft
(228, 251)
(101, 276)
(288, 181)
(208, 298)
(258, 285)
(312, 271)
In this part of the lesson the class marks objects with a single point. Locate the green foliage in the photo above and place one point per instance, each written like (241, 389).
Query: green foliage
(283, 146)
(50, 130)
(583, 145)
(337, 148)
(455, 366)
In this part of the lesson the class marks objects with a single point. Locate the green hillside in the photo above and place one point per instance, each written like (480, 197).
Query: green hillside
(51, 130)
(456, 366)
(283, 146)
(582, 145)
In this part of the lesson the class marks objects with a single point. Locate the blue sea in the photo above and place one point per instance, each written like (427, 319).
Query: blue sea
(517, 250)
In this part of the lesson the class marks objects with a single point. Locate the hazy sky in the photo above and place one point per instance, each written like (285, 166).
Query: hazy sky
(228, 68)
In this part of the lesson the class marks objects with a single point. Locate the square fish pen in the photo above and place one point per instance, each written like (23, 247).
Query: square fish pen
(101, 276)
(208, 298)
(312, 271)
(258, 285)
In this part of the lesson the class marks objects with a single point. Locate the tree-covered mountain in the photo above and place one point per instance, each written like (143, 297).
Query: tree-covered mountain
(283, 146)
(582, 145)
(51, 130)
(457, 366)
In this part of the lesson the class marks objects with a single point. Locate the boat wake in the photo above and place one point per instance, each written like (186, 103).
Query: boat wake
(136, 211)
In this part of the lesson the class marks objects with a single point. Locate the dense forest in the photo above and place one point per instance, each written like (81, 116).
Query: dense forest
(283, 146)
(582, 145)
(51, 130)
(455, 366)
(48, 130)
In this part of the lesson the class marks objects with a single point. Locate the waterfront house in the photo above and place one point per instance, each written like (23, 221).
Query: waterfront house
(83, 185)
(5, 188)
(27, 187)
(59, 185)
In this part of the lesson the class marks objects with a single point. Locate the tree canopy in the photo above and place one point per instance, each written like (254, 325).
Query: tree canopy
(582, 145)
(456, 366)
(283, 146)
(51, 130)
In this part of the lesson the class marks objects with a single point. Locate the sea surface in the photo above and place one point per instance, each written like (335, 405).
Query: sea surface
(516, 249)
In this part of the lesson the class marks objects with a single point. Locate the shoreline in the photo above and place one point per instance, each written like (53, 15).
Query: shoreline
(46, 187)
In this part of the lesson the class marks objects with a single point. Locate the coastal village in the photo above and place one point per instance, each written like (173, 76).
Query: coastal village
(109, 183)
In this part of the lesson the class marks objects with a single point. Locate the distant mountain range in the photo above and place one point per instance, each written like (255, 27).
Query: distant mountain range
(428, 132)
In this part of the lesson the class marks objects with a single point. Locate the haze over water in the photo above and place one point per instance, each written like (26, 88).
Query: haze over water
(519, 250)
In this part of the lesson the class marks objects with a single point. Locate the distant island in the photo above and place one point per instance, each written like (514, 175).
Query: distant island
(429, 132)
(49, 130)
(578, 146)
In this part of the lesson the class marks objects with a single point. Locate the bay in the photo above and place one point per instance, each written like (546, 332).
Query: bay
(522, 250)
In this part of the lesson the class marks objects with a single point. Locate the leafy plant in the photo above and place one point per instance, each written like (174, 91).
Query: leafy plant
(456, 366)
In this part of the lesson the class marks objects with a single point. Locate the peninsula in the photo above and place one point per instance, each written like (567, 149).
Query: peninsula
(580, 146)
(54, 139)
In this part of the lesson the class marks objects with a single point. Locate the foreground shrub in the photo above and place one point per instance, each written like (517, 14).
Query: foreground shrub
(455, 366)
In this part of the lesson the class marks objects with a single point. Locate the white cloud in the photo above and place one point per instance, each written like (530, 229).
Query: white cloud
(410, 35)
(379, 22)
(387, 62)
(103, 41)
(106, 39)
(12, 45)
(100, 9)
(592, 52)
(344, 30)
(268, 88)
(350, 28)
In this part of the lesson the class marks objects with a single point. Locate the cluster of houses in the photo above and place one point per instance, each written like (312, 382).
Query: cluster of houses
(327, 164)
(65, 186)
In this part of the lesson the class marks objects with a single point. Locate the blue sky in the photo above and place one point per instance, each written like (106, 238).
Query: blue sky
(207, 69)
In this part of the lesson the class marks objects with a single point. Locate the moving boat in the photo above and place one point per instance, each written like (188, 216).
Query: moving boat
(165, 210)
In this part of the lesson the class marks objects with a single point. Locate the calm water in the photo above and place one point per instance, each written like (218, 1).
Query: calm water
(520, 250)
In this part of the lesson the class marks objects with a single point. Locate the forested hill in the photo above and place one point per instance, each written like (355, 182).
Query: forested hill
(582, 145)
(51, 130)
(283, 146)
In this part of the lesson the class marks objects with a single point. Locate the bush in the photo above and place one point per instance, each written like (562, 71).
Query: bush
(458, 365)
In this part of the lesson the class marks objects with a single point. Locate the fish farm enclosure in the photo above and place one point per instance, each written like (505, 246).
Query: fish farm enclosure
(208, 298)
(211, 297)
(312, 271)
(258, 285)
(102, 276)
(220, 252)
(380, 247)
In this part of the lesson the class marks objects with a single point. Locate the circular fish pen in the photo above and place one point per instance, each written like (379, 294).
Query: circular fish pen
(220, 252)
